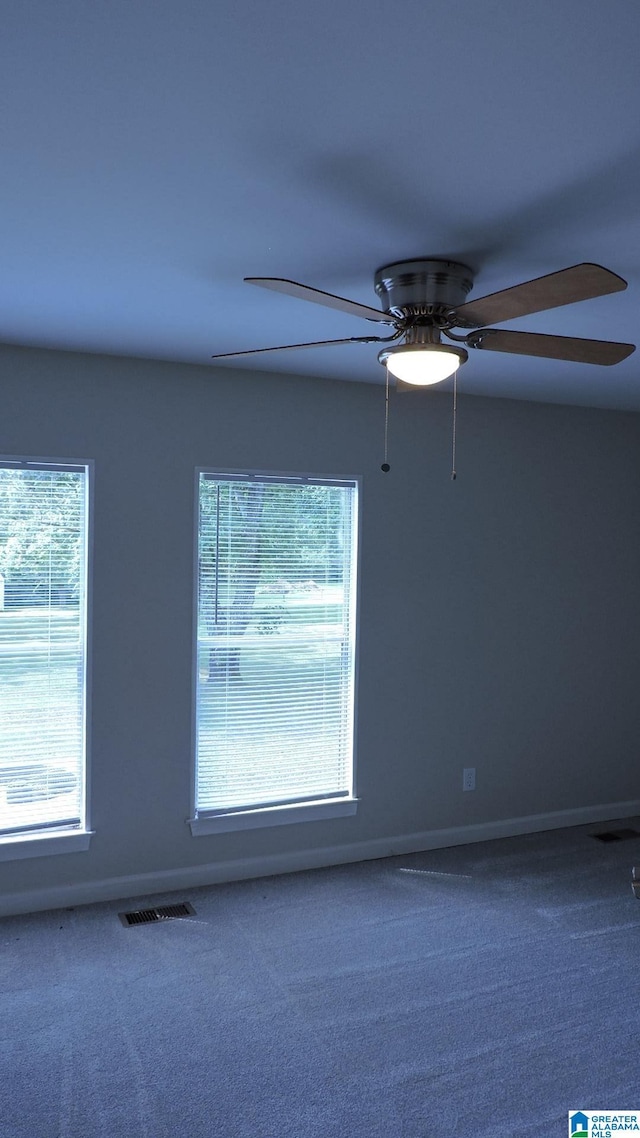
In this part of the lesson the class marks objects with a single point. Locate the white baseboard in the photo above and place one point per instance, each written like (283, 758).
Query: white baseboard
(191, 877)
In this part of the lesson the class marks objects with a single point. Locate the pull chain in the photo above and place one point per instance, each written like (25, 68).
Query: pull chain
(385, 465)
(453, 434)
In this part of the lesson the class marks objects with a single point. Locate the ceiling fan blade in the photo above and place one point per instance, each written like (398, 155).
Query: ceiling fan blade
(580, 282)
(294, 347)
(303, 292)
(552, 347)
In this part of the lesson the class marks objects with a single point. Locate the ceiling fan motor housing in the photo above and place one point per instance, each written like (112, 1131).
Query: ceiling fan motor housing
(429, 288)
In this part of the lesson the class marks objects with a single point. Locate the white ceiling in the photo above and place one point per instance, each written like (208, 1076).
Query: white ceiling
(155, 152)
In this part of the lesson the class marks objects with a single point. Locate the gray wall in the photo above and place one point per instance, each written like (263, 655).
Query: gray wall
(499, 614)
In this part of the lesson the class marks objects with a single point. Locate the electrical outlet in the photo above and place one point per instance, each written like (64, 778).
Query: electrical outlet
(469, 778)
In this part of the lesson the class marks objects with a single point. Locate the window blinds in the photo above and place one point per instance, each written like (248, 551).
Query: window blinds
(275, 649)
(42, 646)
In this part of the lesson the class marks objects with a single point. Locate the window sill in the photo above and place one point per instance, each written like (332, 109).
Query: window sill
(272, 816)
(44, 844)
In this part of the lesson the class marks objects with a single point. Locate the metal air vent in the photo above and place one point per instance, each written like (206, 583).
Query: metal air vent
(162, 913)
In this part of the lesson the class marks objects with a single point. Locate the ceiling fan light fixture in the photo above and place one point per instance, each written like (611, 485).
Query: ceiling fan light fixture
(422, 364)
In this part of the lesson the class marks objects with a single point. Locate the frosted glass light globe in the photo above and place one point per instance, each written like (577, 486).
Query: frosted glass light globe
(422, 364)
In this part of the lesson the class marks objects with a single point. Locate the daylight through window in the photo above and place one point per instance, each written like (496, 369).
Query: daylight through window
(43, 525)
(275, 647)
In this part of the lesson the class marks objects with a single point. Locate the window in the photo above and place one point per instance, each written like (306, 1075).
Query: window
(43, 557)
(275, 649)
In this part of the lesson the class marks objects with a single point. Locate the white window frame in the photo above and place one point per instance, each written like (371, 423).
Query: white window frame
(280, 815)
(56, 839)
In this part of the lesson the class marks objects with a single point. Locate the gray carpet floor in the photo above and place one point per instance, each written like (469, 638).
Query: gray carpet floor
(480, 990)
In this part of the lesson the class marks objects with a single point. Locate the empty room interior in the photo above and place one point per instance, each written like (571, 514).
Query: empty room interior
(319, 569)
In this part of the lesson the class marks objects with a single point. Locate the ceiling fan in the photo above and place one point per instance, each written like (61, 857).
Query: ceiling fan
(423, 300)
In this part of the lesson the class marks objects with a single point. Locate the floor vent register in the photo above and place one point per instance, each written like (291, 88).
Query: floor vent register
(161, 913)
